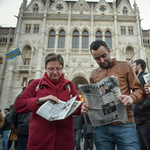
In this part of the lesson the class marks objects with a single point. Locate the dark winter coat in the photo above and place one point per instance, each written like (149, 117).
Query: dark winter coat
(7, 123)
(142, 114)
(20, 120)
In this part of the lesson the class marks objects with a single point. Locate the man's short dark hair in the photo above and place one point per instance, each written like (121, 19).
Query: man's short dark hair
(96, 44)
(8, 109)
(141, 62)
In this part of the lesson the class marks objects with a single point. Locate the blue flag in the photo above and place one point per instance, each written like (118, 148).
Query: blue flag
(13, 54)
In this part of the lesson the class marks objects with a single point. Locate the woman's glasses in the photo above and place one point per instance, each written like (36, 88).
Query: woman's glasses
(54, 69)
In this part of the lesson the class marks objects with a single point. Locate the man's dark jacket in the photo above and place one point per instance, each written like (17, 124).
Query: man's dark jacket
(78, 122)
(7, 123)
(142, 115)
(20, 121)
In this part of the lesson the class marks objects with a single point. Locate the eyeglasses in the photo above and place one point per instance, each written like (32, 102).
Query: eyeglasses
(52, 69)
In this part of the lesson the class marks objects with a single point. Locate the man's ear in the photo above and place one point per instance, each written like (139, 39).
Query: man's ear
(109, 50)
(139, 66)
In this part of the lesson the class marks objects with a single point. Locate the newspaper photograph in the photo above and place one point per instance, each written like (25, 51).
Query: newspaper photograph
(147, 79)
(51, 111)
(103, 99)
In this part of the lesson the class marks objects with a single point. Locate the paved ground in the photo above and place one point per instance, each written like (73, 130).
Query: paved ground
(12, 147)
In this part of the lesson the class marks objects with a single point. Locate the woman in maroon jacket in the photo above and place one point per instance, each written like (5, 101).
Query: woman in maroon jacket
(44, 134)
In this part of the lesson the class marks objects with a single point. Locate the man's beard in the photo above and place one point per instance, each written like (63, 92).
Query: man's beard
(106, 66)
(137, 71)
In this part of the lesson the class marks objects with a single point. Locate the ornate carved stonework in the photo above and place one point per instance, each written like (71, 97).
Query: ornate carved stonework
(85, 59)
(74, 59)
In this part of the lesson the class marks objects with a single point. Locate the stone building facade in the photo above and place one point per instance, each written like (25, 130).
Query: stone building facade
(67, 28)
(146, 42)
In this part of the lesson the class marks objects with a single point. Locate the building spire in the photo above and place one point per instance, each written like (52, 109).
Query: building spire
(114, 4)
(47, 4)
(25, 3)
(135, 5)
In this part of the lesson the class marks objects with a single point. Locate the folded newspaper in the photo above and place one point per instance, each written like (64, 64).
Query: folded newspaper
(103, 99)
(147, 79)
(51, 111)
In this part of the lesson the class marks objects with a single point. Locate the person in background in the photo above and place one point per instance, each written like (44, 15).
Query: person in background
(1, 119)
(142, 110)
(146, 88)
(44, 134)
(78, 126)
(21, 124)
(12, 130)
(88, 137)
(5, 129)
(1, 123)
(116, 133)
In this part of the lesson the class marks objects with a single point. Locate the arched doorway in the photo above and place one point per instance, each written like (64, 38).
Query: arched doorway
(129, 53)
(79, 80)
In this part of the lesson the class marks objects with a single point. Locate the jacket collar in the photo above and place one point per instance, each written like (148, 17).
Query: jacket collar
(113, 62)
(141, 74)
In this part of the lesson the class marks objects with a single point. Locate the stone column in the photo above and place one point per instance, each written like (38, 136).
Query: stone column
(68, 45)
(116, 32)
(92, 35)
(4, 63)
(40, 49)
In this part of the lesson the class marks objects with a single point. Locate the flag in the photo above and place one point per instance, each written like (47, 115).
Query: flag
(131, 60)
(13, 54)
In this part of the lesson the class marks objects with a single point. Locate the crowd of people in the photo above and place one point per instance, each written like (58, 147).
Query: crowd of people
(36, 133)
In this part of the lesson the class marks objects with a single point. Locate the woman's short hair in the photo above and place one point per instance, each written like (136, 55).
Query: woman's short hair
(54, 57)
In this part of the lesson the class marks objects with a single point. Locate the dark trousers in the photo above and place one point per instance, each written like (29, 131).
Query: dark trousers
(10, 144)
(77, 138)
(143, 133)
(22, 142)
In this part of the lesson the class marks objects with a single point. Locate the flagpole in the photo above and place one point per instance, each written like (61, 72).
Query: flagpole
(21, 55)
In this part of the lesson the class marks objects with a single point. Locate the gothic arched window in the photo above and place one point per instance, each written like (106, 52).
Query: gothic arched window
(61, 42)
(1, 63)
(85, 40)
(108, 39)
(51, 43)
(11, 40)
(75, 41)
(125, 12)
(130, 30)
(123, 31)
(28, 29)
(102, 8)
(36, 29)
(35, 8)
(98, 35)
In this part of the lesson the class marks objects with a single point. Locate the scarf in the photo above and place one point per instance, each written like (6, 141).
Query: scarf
(54, 83)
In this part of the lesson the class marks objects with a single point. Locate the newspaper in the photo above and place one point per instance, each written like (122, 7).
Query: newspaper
(51, 111)
(102, 98)
(147, 79)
